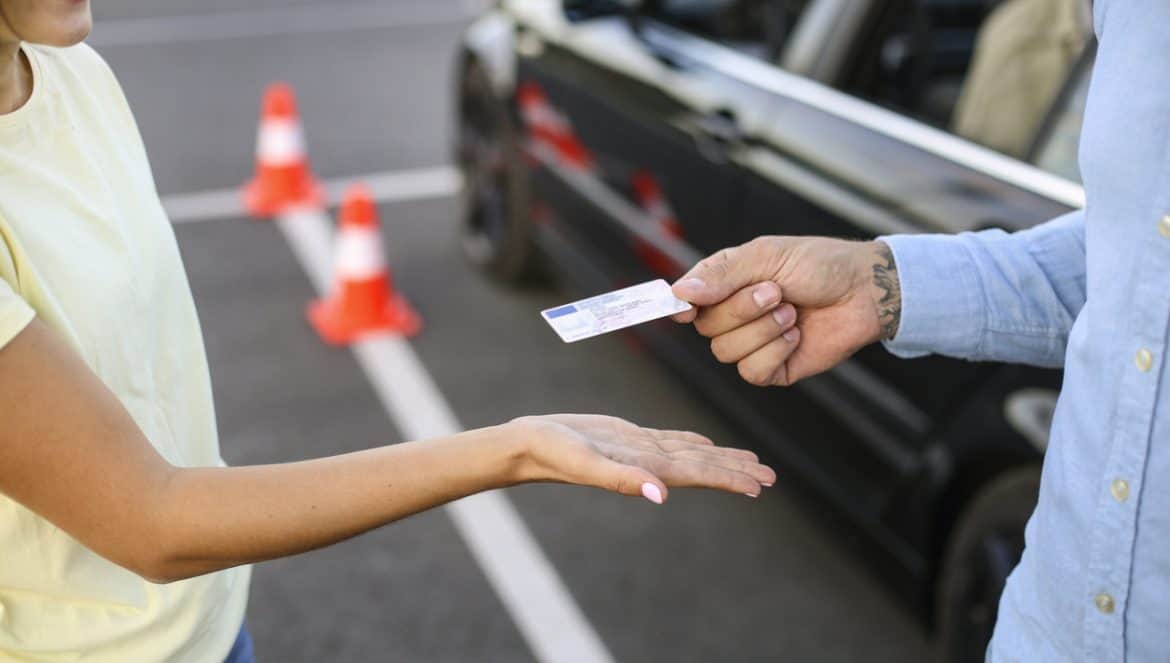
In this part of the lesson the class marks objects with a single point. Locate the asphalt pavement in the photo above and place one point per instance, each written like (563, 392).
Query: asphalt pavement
(705, 578)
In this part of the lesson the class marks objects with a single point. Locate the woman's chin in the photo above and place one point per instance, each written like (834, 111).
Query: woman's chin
(67, 39)
(65, 31)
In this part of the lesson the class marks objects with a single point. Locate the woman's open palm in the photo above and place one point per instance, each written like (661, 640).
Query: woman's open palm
(614, 454)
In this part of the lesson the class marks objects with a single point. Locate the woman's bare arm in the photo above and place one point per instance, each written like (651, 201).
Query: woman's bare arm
(71, 453)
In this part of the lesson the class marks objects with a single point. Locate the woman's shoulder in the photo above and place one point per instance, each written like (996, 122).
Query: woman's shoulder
(80, 76)
(78, 65)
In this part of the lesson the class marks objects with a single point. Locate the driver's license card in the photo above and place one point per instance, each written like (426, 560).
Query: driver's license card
(614, 310)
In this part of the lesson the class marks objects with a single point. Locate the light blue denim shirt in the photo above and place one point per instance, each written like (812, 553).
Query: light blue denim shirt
(1089, 291)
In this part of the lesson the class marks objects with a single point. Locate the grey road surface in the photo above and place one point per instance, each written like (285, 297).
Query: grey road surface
(706, 578)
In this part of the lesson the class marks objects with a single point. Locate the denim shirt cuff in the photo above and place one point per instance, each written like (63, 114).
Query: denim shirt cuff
(941, 295)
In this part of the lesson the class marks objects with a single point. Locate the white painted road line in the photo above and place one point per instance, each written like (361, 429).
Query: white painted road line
(527, 583)
(404, 185)
(275, 21)
(393, 186)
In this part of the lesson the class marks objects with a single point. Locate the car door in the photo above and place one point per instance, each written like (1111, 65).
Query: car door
(629, 135)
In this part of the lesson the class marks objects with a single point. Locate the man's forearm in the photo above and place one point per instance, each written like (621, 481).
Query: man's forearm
(215, 518)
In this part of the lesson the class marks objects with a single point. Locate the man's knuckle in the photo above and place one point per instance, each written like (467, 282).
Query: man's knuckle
(704, 327)
(752, 374)
(718, 263)
(763, 244)
(720, 349)
(781, 378)
(746, 309)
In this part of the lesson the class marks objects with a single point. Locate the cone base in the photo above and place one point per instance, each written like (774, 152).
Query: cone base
(332, 325)
(262, 204)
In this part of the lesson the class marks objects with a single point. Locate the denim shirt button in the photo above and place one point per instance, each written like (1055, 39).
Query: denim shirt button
(1120, 489)
(1144, 359)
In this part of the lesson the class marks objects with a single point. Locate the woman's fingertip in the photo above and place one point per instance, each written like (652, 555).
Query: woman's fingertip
(652, 492)
(753, 496)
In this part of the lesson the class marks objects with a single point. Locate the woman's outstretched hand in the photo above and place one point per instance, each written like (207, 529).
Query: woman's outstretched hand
(614, 454)
(169, 523)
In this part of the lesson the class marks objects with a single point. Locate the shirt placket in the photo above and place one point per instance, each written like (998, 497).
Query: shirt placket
(1120, 487)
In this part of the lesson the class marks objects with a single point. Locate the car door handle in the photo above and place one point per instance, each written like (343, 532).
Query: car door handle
(669, 61)
(716, 134)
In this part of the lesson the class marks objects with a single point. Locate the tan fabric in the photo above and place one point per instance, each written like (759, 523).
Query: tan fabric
(84, 243)
(1023, 55)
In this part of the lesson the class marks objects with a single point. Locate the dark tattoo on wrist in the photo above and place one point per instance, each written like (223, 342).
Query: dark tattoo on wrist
(889, 303)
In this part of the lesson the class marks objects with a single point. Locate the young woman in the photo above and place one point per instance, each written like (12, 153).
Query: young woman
(123, 537)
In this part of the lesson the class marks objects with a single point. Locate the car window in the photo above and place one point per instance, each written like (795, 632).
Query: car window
(1057, 148)
(757, 27)
(987, 71)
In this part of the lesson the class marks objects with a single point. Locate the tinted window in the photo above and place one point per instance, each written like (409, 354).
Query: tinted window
(1058, 146)
(759, 27)
(987, 71)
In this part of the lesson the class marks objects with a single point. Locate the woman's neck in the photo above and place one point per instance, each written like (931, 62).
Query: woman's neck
(15, 77)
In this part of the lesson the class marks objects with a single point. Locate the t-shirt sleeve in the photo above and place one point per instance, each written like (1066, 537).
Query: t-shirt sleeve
(15, 313)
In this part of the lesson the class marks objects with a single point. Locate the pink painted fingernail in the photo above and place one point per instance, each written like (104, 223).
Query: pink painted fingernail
(751, 496)
(651, 492)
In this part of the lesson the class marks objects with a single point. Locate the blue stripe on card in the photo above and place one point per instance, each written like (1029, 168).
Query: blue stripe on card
(560, 312)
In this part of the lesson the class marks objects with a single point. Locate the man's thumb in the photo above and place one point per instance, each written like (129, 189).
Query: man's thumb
(720, 275)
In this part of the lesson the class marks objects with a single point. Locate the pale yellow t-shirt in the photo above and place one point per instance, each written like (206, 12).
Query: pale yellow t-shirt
(85, 244)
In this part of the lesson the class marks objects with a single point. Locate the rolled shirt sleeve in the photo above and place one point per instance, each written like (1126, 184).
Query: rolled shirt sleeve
(991, 295)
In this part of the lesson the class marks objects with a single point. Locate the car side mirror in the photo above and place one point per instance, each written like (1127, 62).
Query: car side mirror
(583, 10)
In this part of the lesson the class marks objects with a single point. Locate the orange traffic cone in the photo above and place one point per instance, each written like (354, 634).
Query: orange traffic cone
(283, 178)
(363, 301)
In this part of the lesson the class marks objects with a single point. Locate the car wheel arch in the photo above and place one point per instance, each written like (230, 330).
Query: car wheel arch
(491, 42)
(970, 464)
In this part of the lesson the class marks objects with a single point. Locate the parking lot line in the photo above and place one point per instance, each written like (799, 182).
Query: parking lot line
(392, 186)
(274, 21)
(528, 585)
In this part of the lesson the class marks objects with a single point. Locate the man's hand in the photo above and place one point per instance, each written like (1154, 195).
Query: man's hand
(786, 308)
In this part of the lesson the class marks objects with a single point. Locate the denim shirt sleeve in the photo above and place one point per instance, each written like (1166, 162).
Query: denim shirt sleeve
(991, 295)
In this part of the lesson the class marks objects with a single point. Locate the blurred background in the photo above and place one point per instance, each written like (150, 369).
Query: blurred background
(532, 152)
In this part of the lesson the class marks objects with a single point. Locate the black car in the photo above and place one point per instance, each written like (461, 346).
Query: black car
(623, 141)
